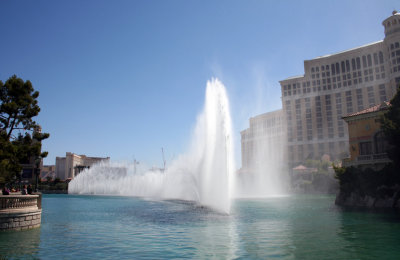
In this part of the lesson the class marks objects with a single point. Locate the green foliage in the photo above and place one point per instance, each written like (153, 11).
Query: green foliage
(48, 179)
(321, 165)
(391, 128)
(57, 180)
(18, 139)
(368, 181)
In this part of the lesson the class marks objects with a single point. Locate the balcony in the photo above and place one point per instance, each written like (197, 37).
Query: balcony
(367, 159)
(20, 212)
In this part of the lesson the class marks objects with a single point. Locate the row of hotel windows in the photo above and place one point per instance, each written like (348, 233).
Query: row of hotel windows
(335, 82)
(358, 93)
(394, 21)
(266, 123)
(344, 66)
(311, 151)
(271, 132)
(395, 55)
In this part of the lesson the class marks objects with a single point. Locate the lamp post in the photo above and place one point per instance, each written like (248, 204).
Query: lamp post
(37, 171)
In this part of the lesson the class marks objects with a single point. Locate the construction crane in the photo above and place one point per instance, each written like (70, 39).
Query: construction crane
(162, 152)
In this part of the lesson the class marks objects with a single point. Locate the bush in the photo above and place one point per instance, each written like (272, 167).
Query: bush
(368, 181)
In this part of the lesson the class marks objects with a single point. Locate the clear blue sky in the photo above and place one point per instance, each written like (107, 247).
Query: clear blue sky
(125, 78)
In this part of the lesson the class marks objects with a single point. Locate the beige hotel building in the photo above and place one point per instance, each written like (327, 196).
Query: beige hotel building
(334, 86)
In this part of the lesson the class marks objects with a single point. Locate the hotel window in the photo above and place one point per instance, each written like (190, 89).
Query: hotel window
(331, 148)
(364, 61)
(369, 60)
(358, 63)
(321, 148)
(359, 100)
(337, 68)
(382, 92)
(300, 152)
(381, 57)
(333, 69)
(365, 148)
(375, 59)
(347, 65)
(353, 64)
(343, 67)
(380, 143)
(371, 97)
(349, 102)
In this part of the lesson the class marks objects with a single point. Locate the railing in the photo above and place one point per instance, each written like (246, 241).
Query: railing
(380, 156)
(370, 157)
(19, 202)
(364, 157)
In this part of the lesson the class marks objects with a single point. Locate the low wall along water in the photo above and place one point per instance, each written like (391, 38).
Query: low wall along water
(20, 212)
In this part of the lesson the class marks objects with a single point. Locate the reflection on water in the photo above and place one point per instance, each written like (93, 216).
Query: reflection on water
(19, 244)
(305, 227)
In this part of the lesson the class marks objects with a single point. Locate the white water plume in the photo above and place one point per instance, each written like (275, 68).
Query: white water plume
(204, 174)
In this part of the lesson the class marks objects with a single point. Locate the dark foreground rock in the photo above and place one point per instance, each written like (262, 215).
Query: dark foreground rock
(384, 198)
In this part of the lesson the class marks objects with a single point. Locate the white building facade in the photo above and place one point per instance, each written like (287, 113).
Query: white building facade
(334, 86)
(69, 166)
(263, 141)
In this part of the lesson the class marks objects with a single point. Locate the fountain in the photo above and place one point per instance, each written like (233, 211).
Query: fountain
(205, 174)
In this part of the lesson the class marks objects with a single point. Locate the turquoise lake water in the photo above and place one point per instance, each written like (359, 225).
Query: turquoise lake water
(293, 227)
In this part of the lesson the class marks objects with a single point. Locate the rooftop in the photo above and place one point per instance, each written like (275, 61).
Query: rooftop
(383, 106)
(349, 50)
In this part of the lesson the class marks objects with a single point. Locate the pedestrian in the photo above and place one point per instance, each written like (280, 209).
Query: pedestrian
(29, 189)
(24, 191)
(6, 191)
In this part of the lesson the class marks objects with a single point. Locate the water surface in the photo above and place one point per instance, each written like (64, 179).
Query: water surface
(293, 227)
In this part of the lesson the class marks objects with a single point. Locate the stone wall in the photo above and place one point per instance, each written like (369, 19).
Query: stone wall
(20, 220)
(20, 212)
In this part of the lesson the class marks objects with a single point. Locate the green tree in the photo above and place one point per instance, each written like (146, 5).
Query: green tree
(391, 128)
(20, 138)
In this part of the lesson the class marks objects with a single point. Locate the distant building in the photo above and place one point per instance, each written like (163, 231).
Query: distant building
(367, 143)
(47, 171)
(72, 164)
(263, 140)
(336, 85)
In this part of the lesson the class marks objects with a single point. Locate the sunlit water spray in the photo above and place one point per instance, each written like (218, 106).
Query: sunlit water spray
(205, 174)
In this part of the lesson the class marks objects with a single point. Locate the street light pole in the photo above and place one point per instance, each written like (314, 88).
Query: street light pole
(37, 172)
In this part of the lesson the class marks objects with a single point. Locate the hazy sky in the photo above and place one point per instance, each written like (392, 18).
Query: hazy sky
(125, 78)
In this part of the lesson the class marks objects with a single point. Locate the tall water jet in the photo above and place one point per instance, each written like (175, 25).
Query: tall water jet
(205, 174)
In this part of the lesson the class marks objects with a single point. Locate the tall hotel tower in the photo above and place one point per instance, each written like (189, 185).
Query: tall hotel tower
(334, 86)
